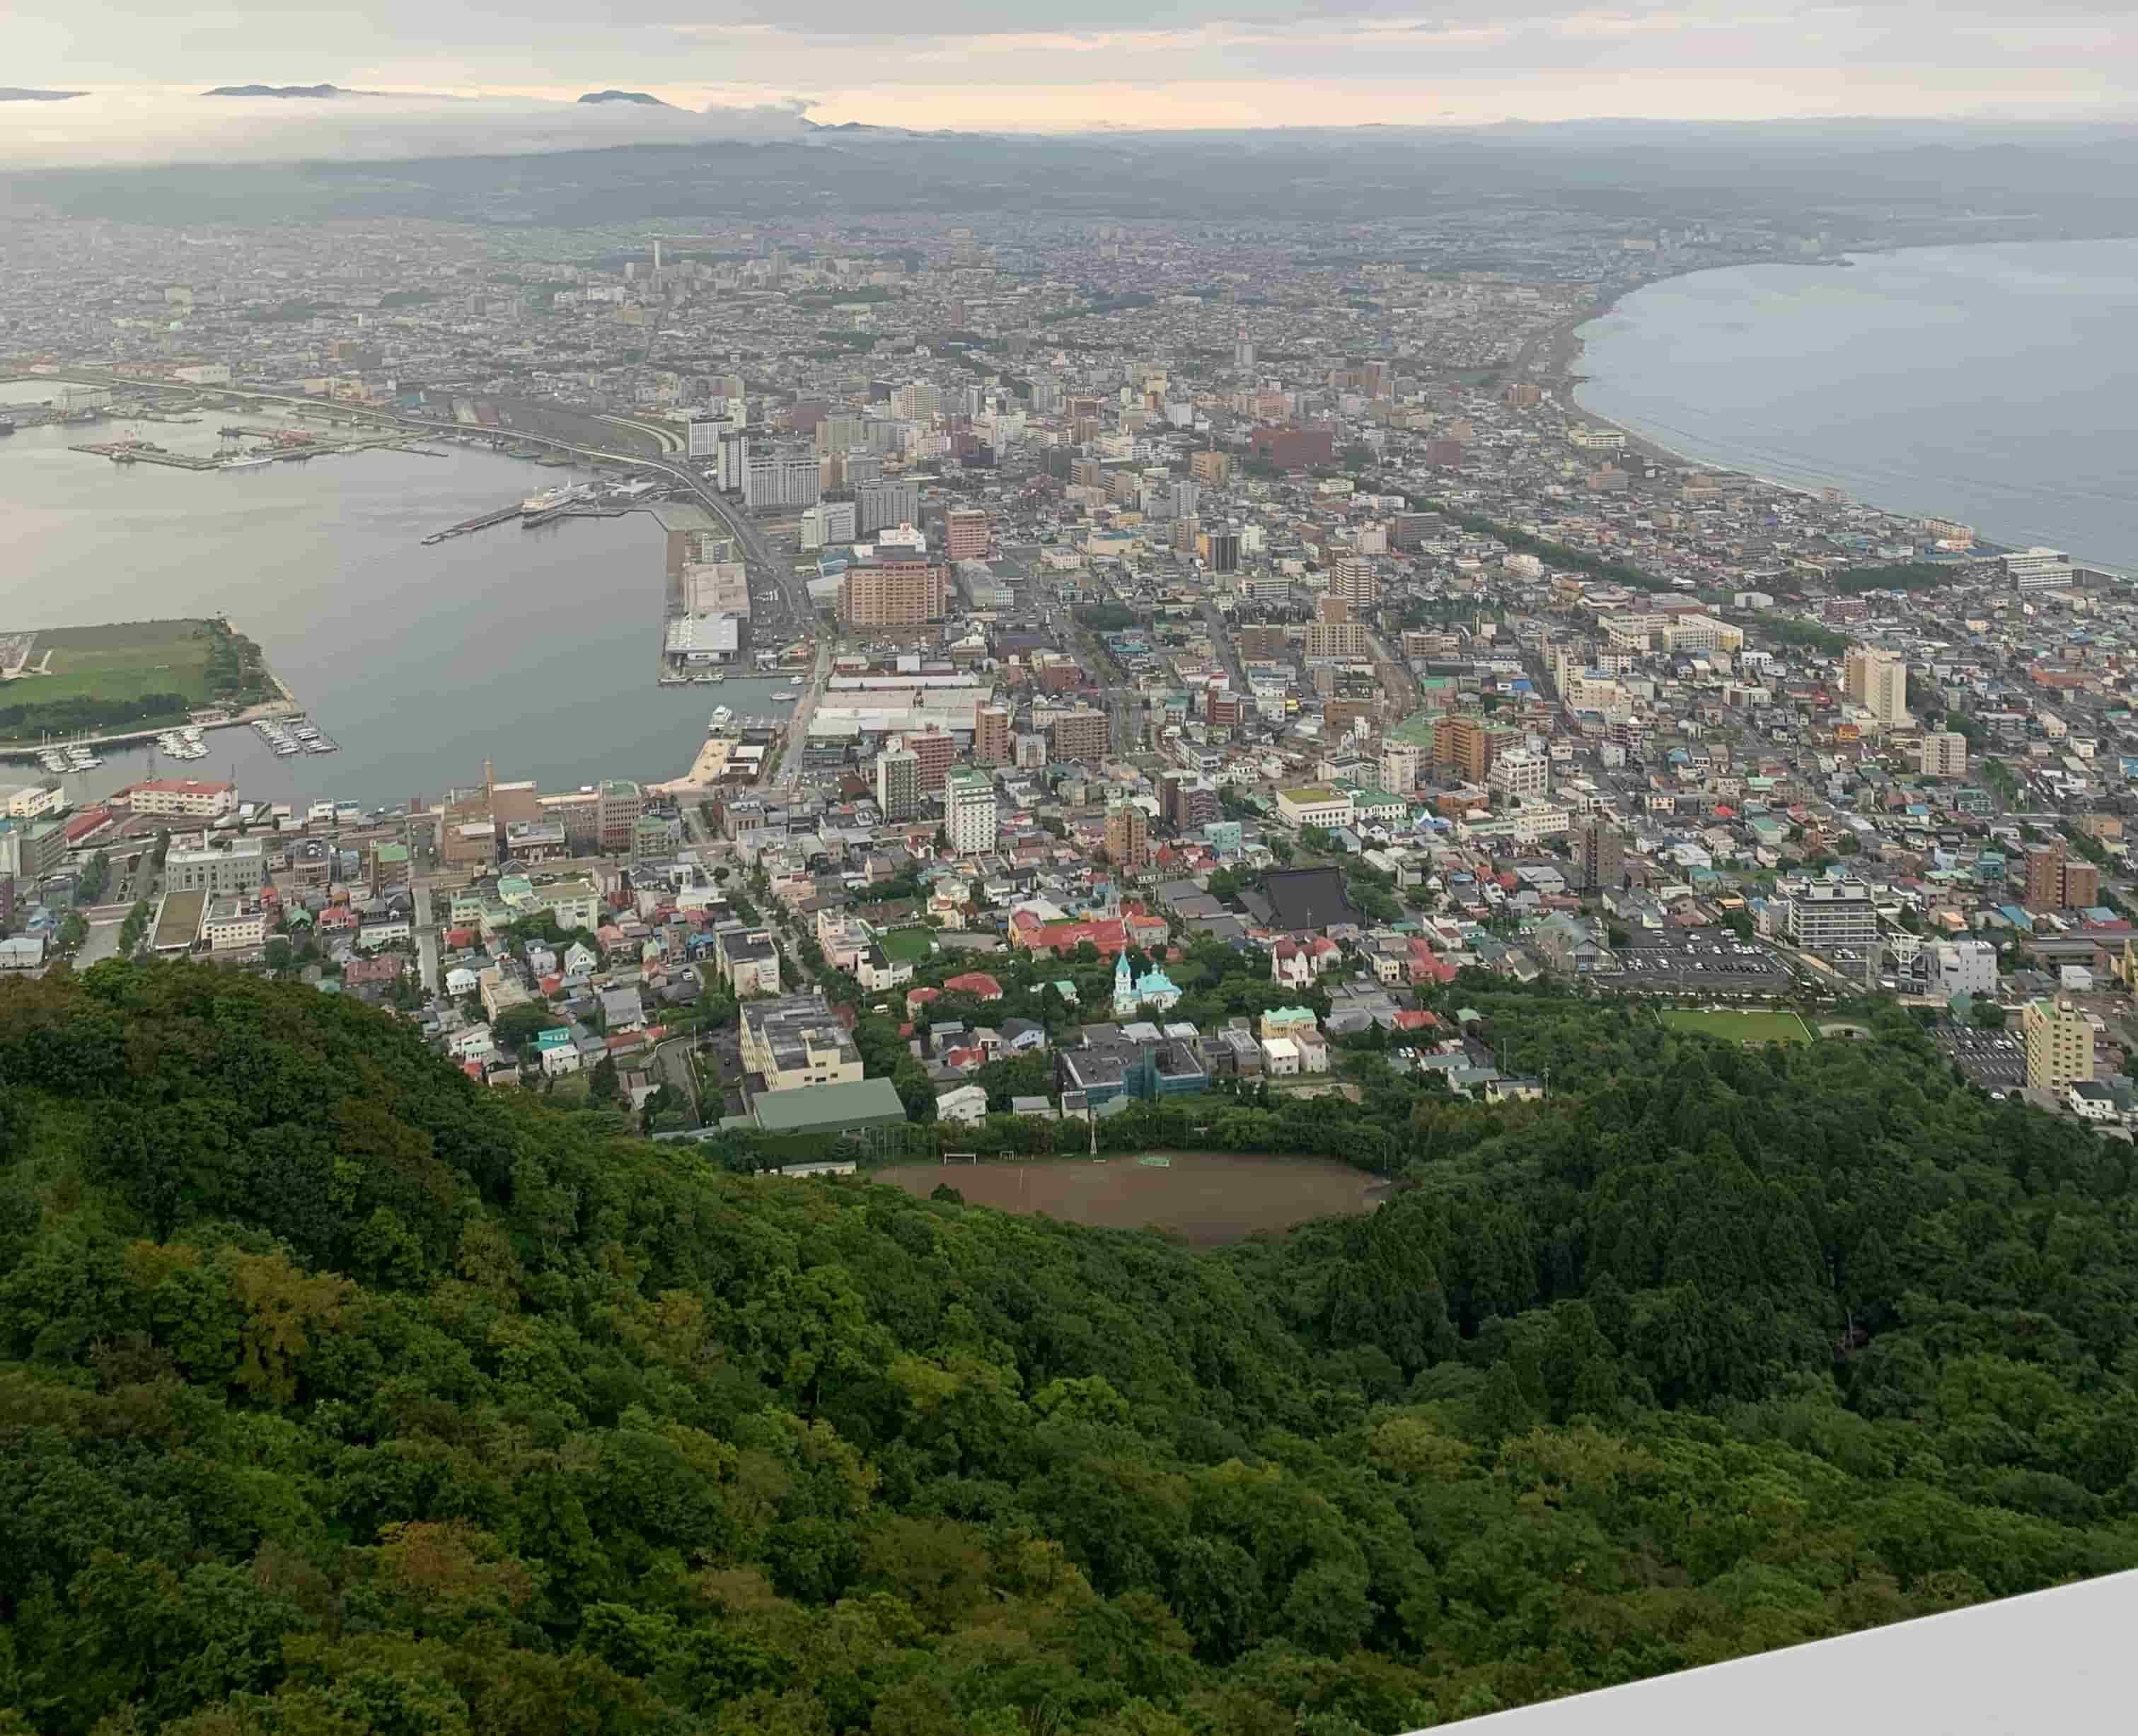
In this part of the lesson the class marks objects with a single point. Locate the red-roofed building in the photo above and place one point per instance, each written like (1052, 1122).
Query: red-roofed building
(84, 825)
(191, 798)
(974, 983)
(456, 939)
(917, 998)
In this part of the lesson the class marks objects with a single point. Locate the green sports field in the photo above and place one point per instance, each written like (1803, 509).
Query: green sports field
(907, 946)
(1740, 1027)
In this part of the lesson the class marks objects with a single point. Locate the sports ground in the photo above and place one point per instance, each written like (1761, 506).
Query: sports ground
(1738, 1028)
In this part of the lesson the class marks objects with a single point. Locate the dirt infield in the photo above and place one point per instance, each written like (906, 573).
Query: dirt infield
(1208, 1198)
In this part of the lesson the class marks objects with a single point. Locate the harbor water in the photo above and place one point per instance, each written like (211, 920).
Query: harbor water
(534, 648)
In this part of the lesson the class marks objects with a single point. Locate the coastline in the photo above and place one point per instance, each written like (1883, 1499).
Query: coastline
(1560, 376)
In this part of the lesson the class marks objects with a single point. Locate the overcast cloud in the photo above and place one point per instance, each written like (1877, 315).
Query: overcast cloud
(964, 64)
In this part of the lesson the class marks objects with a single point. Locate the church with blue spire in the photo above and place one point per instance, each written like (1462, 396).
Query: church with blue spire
(1133, 994)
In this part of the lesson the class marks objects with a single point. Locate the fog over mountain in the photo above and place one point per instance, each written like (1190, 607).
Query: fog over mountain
(254, 125)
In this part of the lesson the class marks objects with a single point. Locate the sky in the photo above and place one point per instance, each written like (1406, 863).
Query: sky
(961, 64)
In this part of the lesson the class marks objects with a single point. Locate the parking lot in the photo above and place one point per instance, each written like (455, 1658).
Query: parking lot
(1994, 1059)
(1716, 962)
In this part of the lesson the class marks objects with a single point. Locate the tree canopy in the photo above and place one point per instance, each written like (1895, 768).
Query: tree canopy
(338, 1395)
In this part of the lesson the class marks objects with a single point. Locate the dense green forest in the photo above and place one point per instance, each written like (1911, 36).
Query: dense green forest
(339, 1396)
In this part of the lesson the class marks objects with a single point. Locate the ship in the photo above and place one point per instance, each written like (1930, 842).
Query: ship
(721, 716)
(546, 499)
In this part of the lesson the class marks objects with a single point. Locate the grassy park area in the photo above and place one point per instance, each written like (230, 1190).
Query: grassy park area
(907, 946)
(128, 674)
(1738, 1028)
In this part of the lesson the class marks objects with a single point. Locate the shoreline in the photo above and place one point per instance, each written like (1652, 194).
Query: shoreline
(1558, 377)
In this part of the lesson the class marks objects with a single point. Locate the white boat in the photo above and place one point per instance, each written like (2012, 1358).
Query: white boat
(721, 716)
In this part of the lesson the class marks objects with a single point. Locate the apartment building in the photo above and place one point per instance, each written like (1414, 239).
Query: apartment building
(894, 593)
(969, 811)
(2059, 1045)
(1128, 837)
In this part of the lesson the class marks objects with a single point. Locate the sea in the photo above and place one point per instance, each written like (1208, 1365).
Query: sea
(534, 649)
(1996, 385)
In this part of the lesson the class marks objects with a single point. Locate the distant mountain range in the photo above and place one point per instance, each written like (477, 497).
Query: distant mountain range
(308, 91)
(8, 94)
(637, 96)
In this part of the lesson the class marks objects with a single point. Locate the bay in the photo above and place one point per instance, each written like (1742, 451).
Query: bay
(535, 649)
(1996, 384)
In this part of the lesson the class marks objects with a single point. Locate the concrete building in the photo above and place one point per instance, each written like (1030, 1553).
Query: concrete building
(1355, 582)
(216, 868)
(894, 593)
(1599, 857)
(1314, 805)
(2059, 1045)
(1877, 680)
(969, 811)
(1083, 735)
(1943, 754)
(183, 798)
(781, 481)
(1128, 837)
(794, 1042)
(1965, 968)
(885, 504)
(991, 735)
(965, 534)
(2045, 875)
(898, 781)
(1824, 915)
(746, 959)
(1519, 773)
(229, 926)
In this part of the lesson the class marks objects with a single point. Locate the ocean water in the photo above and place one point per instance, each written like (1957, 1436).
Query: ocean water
(535, 649)
(1997, 385)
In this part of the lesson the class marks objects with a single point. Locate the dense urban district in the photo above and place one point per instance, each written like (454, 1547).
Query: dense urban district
(1241, 707)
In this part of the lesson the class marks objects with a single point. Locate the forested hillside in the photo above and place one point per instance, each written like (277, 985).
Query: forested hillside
(339, 1396)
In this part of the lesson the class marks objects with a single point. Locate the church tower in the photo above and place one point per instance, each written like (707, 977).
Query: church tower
(1124, 994)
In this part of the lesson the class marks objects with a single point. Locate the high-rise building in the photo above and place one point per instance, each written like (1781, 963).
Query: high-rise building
(885, 503)
(1128, 837)
(965, 534)
(938, 749)
(1187, 803)
(1399, 764)
(919, 401)
(1031, 751)
(1214, 469)
(1943, 754)
(1082, 734)
(839, 431)
(2081, 885)
(1355, 581)
(2059, 1045)
(1220, 549)
(781, 481)
(733, 459)
(1243, 352)
(969, 811)
(898, 781)
(621, 803)
(1877, 680)
(2045, 875)
(1599, 857)
(991, 735)
(1465, 744)
(894, 593)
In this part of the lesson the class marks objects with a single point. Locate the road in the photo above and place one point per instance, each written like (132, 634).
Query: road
(805, 708)
(427, 939)
(1220, 641)
(671, 1065)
